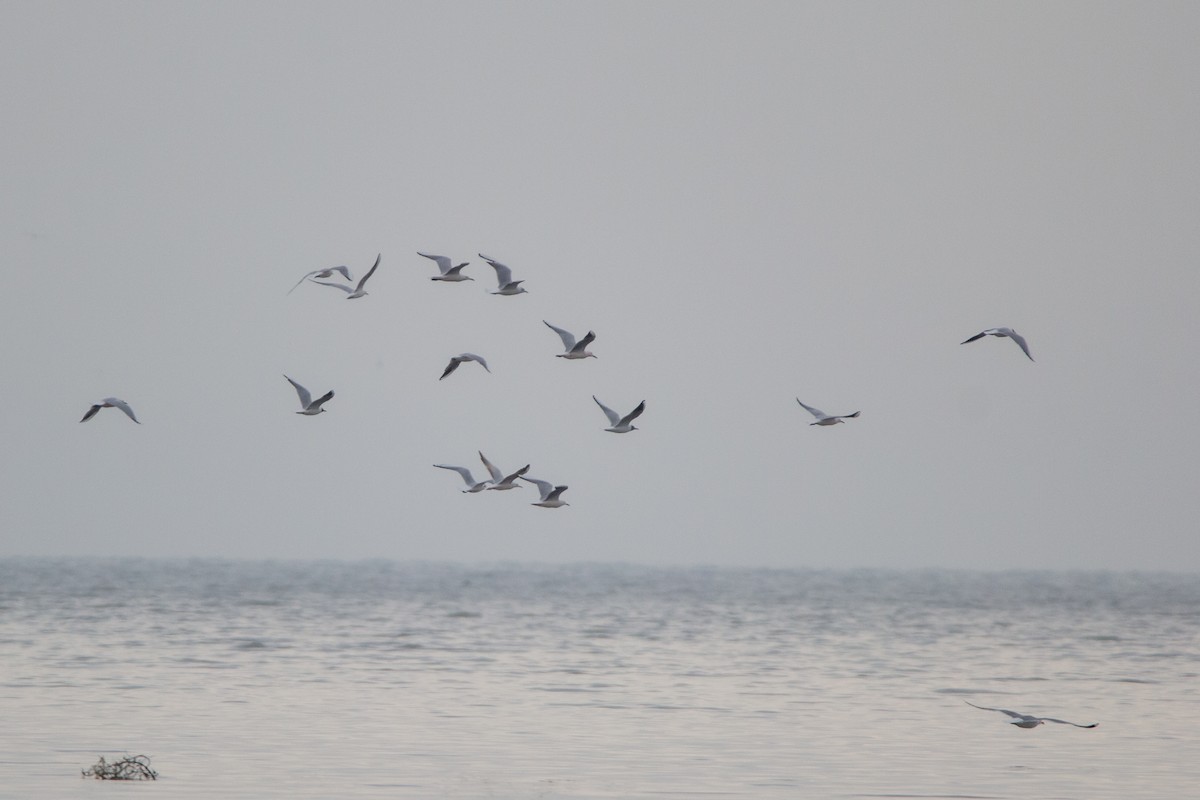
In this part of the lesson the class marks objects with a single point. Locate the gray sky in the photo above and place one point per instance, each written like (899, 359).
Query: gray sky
(747, 203)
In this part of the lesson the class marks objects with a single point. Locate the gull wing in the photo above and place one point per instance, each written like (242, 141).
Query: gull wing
(363, 281)
(341, 286)
(467, 477)
(323, 273)
(302, 280)
(632, 415)
(582, 344)
(473, 357)
(554, 494)
(453, 365)
(1064, 722)
(443, 262)
(818, 413)
(979, 335)
(491, 468)
(503, 273)
(305, 397)
(568, 338)
(1013, 714)
(91, 412)
(544, 487)
(515, 475)
(1020, 340)
(121, 404)
(323, 399)
(613, 419)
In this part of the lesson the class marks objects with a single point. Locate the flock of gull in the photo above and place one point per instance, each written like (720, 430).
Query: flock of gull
(550, 495)
(573, 349)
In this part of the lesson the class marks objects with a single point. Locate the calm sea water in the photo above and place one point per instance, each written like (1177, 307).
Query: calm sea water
(385, 680)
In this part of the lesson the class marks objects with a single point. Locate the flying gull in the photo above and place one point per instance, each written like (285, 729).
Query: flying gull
(621, 424)
(1009, 332)
(549, 492)
(110, 402)
(499, 479)
(573, 349)
(451, 273)
(469, 479)
(1027, 721)
(504, 278)
(357, 291)
(456, 360)
(322, 273)
(826, 419)
(308, 406)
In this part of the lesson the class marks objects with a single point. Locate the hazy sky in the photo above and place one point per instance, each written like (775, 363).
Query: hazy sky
(746, 202)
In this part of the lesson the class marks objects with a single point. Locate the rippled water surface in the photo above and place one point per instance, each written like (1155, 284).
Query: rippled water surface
(374, 679)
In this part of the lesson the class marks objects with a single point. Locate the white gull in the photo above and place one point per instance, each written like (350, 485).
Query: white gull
(573, 349)
(459, 359)
(110, 402)
(504, 278)
(549, 493)
(826, 419)
(501, 481)
(1002, 332)
(1028, 721)
(308, 406)
(449, 272)
(357, 291)
(618, 423)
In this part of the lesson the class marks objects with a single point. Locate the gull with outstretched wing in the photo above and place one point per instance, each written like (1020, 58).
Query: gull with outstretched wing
(1028, 720)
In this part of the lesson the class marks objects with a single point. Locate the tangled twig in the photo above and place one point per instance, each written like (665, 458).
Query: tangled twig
(129, 768)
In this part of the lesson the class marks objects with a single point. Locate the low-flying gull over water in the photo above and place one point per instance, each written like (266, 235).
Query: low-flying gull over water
(357, 291)
(451, 273)
(308, 406)
(322, 273)
(110, 402)
(621, 424)
(499, 479)
(573, 348)
(504, 278)
(456, 360)
(1028, 721)
(469, 479)
(826, 419)
(549, 492)
(1009, 332)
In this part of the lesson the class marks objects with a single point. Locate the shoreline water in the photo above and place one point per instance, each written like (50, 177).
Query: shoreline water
(367, 679)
